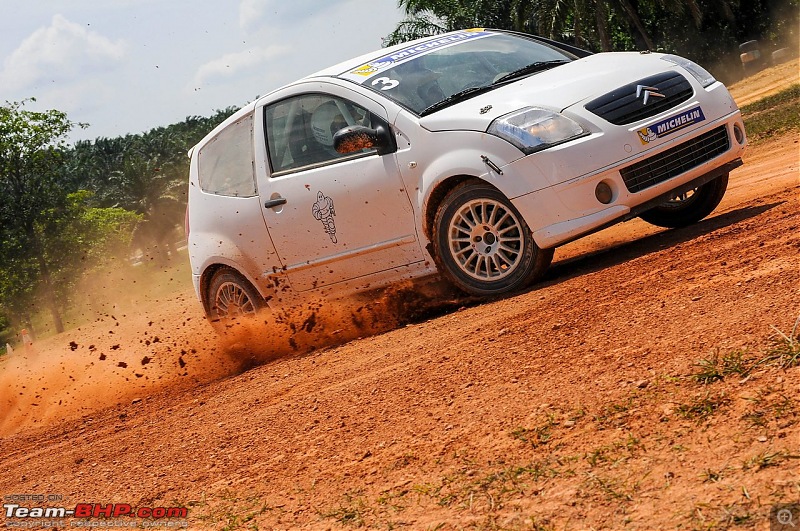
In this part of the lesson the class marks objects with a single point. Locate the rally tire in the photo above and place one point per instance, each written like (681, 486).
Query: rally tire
(690, 207)
(230, 297)
(483, 245)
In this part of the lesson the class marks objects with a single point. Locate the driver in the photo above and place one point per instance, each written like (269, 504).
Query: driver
(325, 122)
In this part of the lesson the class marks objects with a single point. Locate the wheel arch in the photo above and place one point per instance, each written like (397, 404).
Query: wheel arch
(211, 270)
(437, 194)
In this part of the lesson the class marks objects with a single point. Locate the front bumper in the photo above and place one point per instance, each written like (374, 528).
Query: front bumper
(563, 212)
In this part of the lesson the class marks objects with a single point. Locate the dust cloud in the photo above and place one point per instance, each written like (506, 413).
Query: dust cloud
(111, 361)
(166, 345)
(322, 323)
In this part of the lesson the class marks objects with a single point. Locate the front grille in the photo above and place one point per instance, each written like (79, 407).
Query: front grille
(676, 160)
(622, 106)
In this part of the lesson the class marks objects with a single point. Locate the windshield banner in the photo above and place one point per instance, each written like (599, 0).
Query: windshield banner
(360, 74)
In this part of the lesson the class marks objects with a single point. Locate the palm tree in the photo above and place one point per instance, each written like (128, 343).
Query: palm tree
(425, 18)
(152, 182)
(594, 24)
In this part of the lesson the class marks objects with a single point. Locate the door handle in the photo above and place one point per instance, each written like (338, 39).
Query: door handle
(272, 203)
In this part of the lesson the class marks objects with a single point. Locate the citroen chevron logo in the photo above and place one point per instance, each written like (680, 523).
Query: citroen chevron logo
(649, 92)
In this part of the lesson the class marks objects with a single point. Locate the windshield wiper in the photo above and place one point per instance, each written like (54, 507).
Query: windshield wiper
(455, 98)
(538, 66)
(472, 91)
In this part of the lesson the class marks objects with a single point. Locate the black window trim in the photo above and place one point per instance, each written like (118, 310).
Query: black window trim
(307, 167)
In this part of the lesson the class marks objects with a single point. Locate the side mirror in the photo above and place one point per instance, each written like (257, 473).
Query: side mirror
(357, 137)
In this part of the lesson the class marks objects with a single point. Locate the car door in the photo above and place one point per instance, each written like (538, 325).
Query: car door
(225, 216)
(332, 217)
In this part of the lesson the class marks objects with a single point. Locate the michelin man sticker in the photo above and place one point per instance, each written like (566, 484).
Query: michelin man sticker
(647, 135)
(324, 211)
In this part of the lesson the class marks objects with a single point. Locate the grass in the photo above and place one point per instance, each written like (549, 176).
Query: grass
(353, 512)
(614, 415)
(783, 353)
(612, 488)
(773, 116)
(470, 489)
(717, 367)
(493, 489)
(764, 459)
(785, 349)
(614, 454)
(712, 476)
(766, 408)
(723, 516)
(538, 435)
(230, 512)
(701, 408)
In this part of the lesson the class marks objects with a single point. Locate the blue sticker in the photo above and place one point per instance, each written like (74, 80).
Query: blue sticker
(670, 125)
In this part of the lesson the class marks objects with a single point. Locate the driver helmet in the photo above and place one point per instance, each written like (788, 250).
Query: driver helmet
(325, 122)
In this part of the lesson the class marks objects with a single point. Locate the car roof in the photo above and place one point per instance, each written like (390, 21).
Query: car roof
(339, 69)
(350, 64)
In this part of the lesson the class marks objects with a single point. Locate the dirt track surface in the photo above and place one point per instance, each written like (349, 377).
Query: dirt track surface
(570, 406)
(766, 82)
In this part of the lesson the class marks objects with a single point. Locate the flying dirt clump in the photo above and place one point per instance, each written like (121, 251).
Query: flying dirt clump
(61, 377)
(250, 341)
(92, 367)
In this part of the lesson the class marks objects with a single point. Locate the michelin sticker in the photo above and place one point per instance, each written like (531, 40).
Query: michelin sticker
(670, 125)
(323, 210)
(364, 71)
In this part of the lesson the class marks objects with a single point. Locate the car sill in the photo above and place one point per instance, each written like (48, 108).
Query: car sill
(409, 238)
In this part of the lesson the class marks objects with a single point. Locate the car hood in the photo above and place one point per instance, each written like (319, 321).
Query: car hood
(555, 89)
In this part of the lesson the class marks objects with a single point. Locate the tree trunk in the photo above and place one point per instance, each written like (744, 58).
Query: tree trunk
(46, 283)
(50, 296)
(633, 16)
(601, 18)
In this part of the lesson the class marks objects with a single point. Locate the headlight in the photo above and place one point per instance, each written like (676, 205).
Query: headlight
(533, 129)
(702, 75)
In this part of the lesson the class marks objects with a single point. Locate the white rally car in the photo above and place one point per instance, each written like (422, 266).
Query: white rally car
(473, 154)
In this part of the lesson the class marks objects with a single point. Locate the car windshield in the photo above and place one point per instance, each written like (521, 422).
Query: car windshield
(427, 76)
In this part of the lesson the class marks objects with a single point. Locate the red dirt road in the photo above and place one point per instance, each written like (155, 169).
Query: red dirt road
(570, 406)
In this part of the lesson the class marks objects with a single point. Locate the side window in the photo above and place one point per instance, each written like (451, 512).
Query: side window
(300, 130)
(225, 164)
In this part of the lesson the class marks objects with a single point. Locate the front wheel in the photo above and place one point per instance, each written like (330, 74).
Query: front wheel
(689, 207)
(230, 297)
(482, 243)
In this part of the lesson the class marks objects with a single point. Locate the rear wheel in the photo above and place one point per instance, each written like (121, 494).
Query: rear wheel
(230, 297)
(690, 207)
(483, 244)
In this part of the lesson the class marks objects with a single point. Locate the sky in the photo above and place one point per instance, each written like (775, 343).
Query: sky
(127, 66)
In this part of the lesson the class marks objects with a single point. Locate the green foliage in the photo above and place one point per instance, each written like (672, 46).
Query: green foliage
(707, 31)
(773, 115)
(147, 174)
(80, 238)
(32, 146)
(5, 333)
(67, 211)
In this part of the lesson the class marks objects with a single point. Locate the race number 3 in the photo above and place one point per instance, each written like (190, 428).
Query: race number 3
(385, 83)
